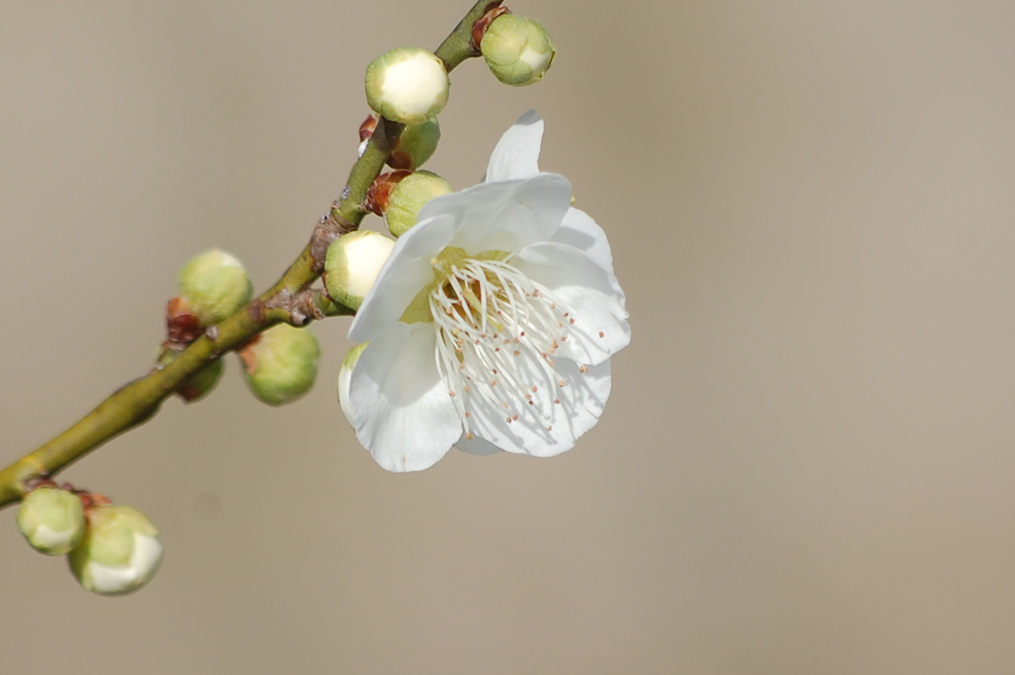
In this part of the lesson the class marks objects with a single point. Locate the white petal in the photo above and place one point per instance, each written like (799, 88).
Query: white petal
(580, 231)
(476, 446)
(400, 406)
(144, 562)
(591, 293)
(52, 540)
(407, 270)
(517, 153)
(505, 216)
(581, 402)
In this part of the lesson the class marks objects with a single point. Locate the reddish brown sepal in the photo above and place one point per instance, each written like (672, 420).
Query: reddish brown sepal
(380, 191)
(366, 130)
(90, 499)
(247, 356)
(397, 159)
(483, 23)
(400, 160)
(189, 392)
(182, 326)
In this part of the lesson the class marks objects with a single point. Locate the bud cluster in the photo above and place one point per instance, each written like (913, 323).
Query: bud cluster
(112, 549)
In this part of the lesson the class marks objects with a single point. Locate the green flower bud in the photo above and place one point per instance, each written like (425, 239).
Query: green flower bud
(345, 376)
(517, 50)
(352, 265)
(120, 551)
(408, 85)
(416, 145)
(281, 364)
(52, 520)
(199, 385)
(409, 196)
(214, 284)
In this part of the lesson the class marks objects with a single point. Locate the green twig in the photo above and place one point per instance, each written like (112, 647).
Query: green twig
(289, 300)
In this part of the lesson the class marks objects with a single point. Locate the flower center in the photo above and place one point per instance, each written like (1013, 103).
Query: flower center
(497, 334)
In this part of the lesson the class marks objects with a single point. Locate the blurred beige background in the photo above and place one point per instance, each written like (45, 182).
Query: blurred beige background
(807, 466)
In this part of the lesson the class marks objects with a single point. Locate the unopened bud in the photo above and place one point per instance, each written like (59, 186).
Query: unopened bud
(409, 196)
(416, 145)
(280, 365)
(214, 284)
(120, 551)
(518, 50)
(407, 85)
(52, 520)
(345, 377)
(199, 384)
(379, 192)
(352, 265)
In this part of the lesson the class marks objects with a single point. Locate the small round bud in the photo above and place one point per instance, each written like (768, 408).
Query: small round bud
(280, 365)
(416, 145)
(199, 385)
(407, 85)
(52, 520)
(518, 50)
(345, 376)
(352, 265)
(409, 196)
(120, 551)
(214, 284)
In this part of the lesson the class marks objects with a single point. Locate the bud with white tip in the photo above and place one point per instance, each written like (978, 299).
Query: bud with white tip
(407, 85)
(280, 365)
(52, 520)
(518, 50)
(409, 196)
(214, 284)
(120, 552)
(352, 265)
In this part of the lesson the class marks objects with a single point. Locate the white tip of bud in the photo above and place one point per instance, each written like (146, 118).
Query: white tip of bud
(409, 196)
(281, 364)
(120, 552)
(407, 85)
(52, 520)
(353, 262)
(214, 284)
(518, 50)
(345, 377)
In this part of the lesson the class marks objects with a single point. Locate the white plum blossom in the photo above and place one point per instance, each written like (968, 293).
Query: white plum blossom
(492, 324)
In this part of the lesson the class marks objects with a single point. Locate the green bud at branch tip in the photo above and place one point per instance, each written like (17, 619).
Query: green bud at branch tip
(518, 50)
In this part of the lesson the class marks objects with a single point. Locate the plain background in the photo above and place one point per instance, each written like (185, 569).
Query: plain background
(807, 465)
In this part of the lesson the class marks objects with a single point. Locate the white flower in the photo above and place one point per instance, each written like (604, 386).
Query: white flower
(492, 324)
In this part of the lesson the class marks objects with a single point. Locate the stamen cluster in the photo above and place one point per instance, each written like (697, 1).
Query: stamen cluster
(498, 332)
